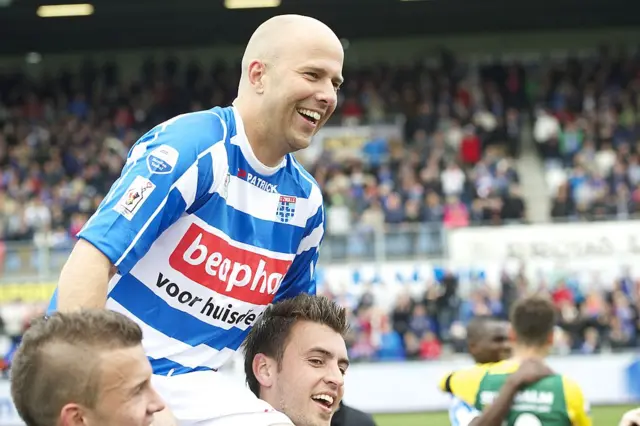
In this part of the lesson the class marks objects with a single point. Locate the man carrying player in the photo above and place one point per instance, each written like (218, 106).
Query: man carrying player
(213, 219)
(83, 368)
(553, 401)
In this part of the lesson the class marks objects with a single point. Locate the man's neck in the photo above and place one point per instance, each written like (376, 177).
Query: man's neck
(258, 139)
(521, 352)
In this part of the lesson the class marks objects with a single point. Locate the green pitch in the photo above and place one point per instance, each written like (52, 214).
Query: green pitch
(602, 416)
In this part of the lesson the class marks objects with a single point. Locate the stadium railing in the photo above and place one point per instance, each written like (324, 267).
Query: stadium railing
(28, 261)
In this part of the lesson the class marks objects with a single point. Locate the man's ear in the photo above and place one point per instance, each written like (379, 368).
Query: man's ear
(264, 369)
(73, 415)
(256, 74)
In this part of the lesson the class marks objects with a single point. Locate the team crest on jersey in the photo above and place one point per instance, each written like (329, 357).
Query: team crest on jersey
(162, 160)
(286, 208)
(133, 198)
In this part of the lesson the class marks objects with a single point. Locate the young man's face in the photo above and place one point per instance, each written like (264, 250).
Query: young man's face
(126, 396)
(309, 385)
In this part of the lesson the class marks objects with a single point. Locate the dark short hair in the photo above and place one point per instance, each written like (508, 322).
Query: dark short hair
(270, 334)
(57, 362)
(477, 327)
(533, 319)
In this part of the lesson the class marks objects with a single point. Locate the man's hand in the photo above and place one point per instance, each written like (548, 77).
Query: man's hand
(530, 371)
(631, 418)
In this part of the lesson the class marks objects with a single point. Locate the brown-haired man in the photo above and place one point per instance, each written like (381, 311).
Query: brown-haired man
(83, 368)
(296, 358)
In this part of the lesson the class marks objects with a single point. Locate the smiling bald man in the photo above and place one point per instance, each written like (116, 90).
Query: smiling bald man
(213, 219)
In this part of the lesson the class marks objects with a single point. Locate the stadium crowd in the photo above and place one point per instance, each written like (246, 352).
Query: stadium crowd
(64, 138)
(433, 324)
(587, 131)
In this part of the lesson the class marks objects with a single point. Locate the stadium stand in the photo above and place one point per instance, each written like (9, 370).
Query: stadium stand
(587, 131)
(64, 138)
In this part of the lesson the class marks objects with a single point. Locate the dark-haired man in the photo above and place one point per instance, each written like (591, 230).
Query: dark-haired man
(296, 358)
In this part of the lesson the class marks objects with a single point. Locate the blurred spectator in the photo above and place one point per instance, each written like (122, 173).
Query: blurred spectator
(588, 132)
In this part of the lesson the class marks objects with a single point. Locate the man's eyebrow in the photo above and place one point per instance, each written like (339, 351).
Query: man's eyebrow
(338, 79)
(139, 385)
(328, 354)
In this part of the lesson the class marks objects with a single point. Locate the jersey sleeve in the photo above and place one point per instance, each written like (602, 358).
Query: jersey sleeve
(461, 413)
(167, 172)
(464, 384)
(301, 277)
(578, 407)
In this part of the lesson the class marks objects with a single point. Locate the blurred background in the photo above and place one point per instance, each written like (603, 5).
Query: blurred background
(481, 150)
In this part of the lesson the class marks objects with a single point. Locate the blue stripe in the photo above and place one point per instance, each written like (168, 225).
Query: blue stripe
(156, 313)
(206, 175)
(244, 228)
(314, 221)
(164, 366)
(53, 303)
(304, 178)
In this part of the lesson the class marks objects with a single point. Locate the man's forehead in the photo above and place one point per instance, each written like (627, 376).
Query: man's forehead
(124, 365)
(307, 336)
(326, 53)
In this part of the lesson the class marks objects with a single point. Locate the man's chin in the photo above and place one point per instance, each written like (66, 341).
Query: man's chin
(299, 143)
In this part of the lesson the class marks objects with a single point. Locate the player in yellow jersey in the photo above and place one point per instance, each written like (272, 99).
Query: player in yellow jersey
(488, 343)
(553, 401)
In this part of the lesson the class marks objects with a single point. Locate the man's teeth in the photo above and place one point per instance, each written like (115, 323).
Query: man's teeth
(324, 397)
(310, 114)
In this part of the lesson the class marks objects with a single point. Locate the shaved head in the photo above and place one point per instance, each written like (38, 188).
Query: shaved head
(272, 40)
(291, 72)
(488, 340)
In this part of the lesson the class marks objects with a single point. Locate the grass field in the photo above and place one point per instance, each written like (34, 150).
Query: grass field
(602, 416)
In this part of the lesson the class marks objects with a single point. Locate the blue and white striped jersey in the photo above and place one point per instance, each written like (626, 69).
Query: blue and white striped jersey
(204, 237)
(461, 413)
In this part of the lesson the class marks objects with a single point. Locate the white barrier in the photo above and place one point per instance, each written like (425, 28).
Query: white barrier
(8, 414)
(595, 251)
(412, 386)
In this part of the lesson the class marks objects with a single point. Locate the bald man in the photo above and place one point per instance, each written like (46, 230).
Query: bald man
(213, 219)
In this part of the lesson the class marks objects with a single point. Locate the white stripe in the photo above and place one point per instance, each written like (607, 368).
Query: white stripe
(220, 165)
(250, 199)
(158, 345)
(186, 187)
(312, 240)
(159, 209)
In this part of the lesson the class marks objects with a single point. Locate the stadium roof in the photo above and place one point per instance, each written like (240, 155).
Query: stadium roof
(142, 23)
